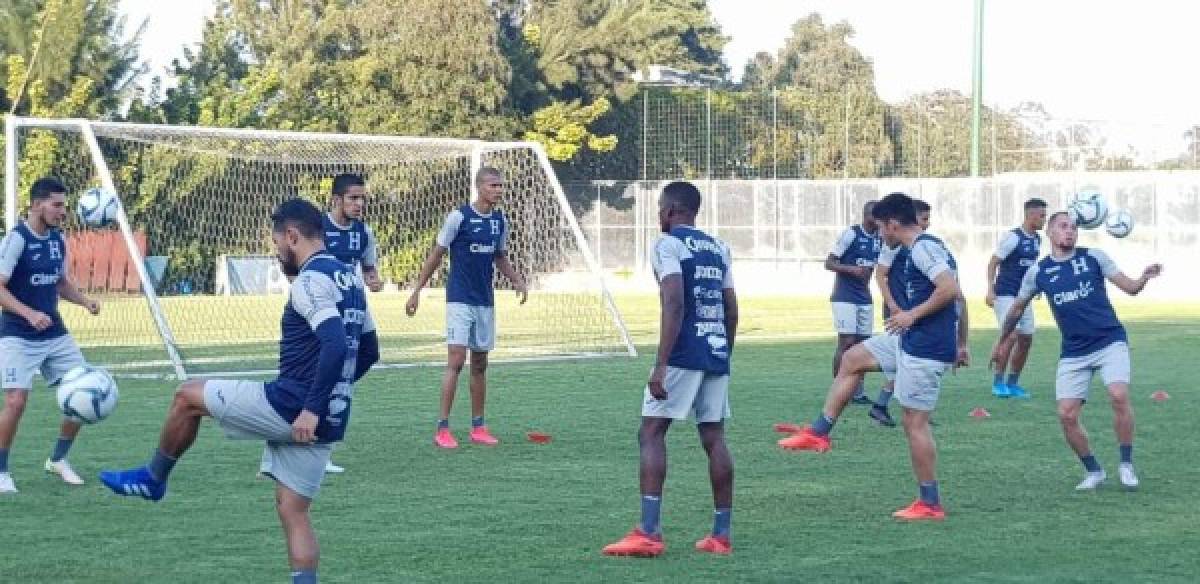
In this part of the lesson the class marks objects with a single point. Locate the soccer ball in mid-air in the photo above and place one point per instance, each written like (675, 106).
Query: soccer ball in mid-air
(1119, 223)
(87, 394)
(97, 207)
(1088, 209)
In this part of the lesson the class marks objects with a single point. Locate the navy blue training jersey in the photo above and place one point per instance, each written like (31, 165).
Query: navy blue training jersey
(353, 244)
(325, 288)
(935, 336)
(1018, 251)
(855, 247)
(474, 241)
(33, 264)
(703, 263)
(897, 261)
(1078, 298)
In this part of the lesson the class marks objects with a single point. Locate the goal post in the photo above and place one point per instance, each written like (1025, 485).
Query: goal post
(184, 276)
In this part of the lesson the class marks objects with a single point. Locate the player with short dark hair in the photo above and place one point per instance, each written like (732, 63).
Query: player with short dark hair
(1015, 253)
(33, 275)
(691, 369)
(476, 237)
(328, 342)
(1093, 339)
(851, 260)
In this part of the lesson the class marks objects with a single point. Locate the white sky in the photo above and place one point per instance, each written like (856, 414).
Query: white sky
(1092, 59)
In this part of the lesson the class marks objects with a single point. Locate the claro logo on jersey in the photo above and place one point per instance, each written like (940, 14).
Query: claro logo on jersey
(482, 248)
(1085, 289)
(44, 279)
(695, 245)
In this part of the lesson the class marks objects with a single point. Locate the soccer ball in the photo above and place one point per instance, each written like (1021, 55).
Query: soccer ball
(1119, 223)
(1088, 209)
(87, 394)
(97, 207)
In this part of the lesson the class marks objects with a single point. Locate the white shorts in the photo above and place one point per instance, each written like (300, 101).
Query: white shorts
(885, 348)
(20, 358)
(471, 326)
(918, 381)
(243, 412)
(703, 395)
(1025, 326)
(853, 319)
(1075, 373)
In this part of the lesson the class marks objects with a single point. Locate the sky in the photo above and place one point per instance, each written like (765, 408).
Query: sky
(1084, 59)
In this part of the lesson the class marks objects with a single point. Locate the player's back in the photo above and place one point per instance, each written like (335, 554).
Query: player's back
(861, 249)
(473, 248)
(34, 265)
(325, 287)
(346, 243)
(704, 266)
(1078, 297)
(935, 335)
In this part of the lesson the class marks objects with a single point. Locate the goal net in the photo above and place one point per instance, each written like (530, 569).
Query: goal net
(188, 279)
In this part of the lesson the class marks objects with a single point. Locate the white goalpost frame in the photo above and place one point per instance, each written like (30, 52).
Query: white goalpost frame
(478, 149)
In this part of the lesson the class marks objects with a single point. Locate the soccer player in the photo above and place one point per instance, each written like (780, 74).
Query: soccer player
(33, 275)
(691, 371)
(1072, 278)
(350, 240)
(891, 289)
(328, 343)
(475, 235)
(931, 338)
(852, 259)
(1016, 252)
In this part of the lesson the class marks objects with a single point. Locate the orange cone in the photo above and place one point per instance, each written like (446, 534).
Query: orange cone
(538, 437)
(980, 413)
(1160, 396)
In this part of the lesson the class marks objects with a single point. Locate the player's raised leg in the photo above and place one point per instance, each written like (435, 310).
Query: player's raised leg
(857, 361)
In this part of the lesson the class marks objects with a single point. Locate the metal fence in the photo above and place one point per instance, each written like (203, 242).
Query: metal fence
(781, 230)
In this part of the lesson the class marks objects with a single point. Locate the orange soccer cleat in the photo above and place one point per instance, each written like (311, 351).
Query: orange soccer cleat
(444, 439)
(920, 511)
(806, 439)
(637, 544)
(480, 435)
(715, 544)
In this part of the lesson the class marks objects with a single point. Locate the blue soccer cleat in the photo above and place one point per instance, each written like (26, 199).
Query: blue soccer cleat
(135, 482)
(1001, 390)
(1017, 392)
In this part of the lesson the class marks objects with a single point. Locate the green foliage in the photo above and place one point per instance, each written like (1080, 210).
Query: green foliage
(563, 129)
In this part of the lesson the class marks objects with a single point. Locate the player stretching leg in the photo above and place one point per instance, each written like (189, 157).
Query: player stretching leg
(476, 237)
(1016, 252)
(932, 338)
(328, 343)
(33, 275)
(691, 371)
(852, 259)
(891, 289)
(1072, 278)
(350, 240)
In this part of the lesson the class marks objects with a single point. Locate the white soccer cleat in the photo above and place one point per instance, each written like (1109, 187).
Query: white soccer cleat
(1091, 480)
(330, 467)
(64, 471)
(1129, 478)
(6, 484)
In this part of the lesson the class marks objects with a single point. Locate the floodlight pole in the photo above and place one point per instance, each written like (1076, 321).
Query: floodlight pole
(977, 88)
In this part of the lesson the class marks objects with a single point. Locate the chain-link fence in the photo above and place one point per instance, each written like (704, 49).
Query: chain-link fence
(781, 230)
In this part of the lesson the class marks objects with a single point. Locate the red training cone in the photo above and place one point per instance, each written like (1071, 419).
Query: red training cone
(786, 428)
(538, 437)
(980, 413)
(1160, 396)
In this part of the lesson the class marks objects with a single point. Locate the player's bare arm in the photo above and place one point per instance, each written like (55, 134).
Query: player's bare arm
(993, 267)
(518, 282)
(67, 290)
(432, 262)
(945, 291)
(731, 316)
(881, 280)
(671, 300)
(833, 265)
(964, 330)
(38, 320)
(1134, 287)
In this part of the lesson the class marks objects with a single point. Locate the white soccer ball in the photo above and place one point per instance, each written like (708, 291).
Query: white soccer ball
(87, 394)
(1119, 223)
(97, 207)
(1088, 209)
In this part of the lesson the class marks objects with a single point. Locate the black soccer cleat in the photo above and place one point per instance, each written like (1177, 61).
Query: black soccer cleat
(881, 416)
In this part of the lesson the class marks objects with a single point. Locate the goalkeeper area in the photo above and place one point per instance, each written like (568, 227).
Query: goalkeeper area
(405, 511)
(188, 278)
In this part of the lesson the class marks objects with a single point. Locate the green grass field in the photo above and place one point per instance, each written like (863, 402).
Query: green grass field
(405, 512)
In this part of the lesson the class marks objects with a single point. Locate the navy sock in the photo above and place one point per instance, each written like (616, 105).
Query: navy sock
(3, 460)
(721, 522)
(885, 396)
(823, 425)
(60, 449)
(1127, 453)
(997, 379)
(651, 506)
(304, 577)
(160, 466)
(1013, 377)
(859, 390)
(1090, 463)
(477, 421)
(443, 423)
(929, 493)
